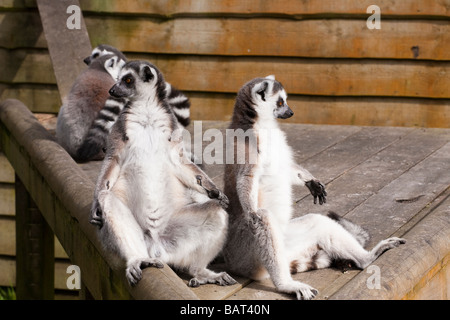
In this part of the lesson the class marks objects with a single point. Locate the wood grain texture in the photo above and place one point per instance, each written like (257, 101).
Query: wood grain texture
(64, 44)
(299, 76)
(169, 8)
(342, 38)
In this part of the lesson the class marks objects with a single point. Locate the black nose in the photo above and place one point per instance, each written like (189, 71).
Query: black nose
(112, 91)
(87, 60)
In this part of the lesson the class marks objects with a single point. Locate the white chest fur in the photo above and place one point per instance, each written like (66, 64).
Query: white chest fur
(146, 167)
(275, 164)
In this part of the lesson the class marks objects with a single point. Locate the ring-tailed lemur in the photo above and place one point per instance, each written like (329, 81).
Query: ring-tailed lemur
(151, 206)
(95, 140)
(85, 100)
(263, 240)
(176, 99)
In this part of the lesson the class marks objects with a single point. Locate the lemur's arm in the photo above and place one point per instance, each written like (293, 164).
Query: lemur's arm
(193, 177)
(304, 177)
(107, 178)
(247, 186)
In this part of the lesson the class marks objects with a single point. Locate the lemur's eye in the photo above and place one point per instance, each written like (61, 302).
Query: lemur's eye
(280, 103)
(95, 55)
(128, 80)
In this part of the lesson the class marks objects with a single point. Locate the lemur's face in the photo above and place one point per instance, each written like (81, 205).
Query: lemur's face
(270, 98)
(97, 53)
(113, 66)
(102, 50)
(136, 80)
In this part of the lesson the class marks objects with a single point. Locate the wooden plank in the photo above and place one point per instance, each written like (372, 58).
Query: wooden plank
(8, 236)
(346, 38)
(414, 8)
(7, 196)
(308, 77)
(35, 249)
(8, 274)
(367, 178)
(6, 171)
(27, 66)
(272, 7)
(27, 28)
(361, 111)
(290, 38)
(367, 111)
(352, 151)
(382, 216)
(403, 268)
(39, 98)
(64, 44)
(434, 285)
(299, 76)
(422, 183)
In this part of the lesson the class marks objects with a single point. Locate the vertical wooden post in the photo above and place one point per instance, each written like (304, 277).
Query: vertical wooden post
(35, 249)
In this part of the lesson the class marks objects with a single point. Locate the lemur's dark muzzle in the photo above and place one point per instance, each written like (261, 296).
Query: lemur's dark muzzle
(113, 91)
(287, 113)
(87, 60)
(117, 92)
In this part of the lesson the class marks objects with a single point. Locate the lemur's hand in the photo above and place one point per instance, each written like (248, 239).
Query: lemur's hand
(219, 195)
(317, 189)
(214, 193)
(96, 215)
(256, 220)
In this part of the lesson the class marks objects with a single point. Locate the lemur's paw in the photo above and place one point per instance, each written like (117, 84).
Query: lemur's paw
(317, 189)
(134, 269)
(224, 279)
(301, 290)
(255, 219)
(220, 196)
(96, 215)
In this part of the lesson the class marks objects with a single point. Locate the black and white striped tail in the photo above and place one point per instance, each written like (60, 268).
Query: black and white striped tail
(179, 103)
(95, 141)
(361, 235)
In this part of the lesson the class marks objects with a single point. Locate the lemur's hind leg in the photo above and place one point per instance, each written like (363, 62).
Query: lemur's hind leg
(269, 249)
(125, 236)
(324, 240)
(193, 238)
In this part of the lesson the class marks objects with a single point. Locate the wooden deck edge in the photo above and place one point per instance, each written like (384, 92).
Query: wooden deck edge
(400, 271)
(63, 194)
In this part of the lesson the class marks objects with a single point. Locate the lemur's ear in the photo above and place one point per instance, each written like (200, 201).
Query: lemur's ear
(261, 89)
(271, 77)
(147, 73)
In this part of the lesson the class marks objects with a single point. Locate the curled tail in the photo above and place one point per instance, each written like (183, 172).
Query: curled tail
(94, 143)
(179, 103)
(361, 235)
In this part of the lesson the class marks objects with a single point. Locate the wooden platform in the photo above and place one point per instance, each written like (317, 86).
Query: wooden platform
(385, 179)
(392, 181)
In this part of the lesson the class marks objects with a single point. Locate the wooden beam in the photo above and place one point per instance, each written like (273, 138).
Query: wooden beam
(35, 254)
(286, 8)
(272, 36)
(67, 47)
(318, 77)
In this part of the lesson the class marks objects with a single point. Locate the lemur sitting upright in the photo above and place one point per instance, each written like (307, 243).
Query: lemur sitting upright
(263, 240)
(85, 100)
(152, 204)
(95, 140)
